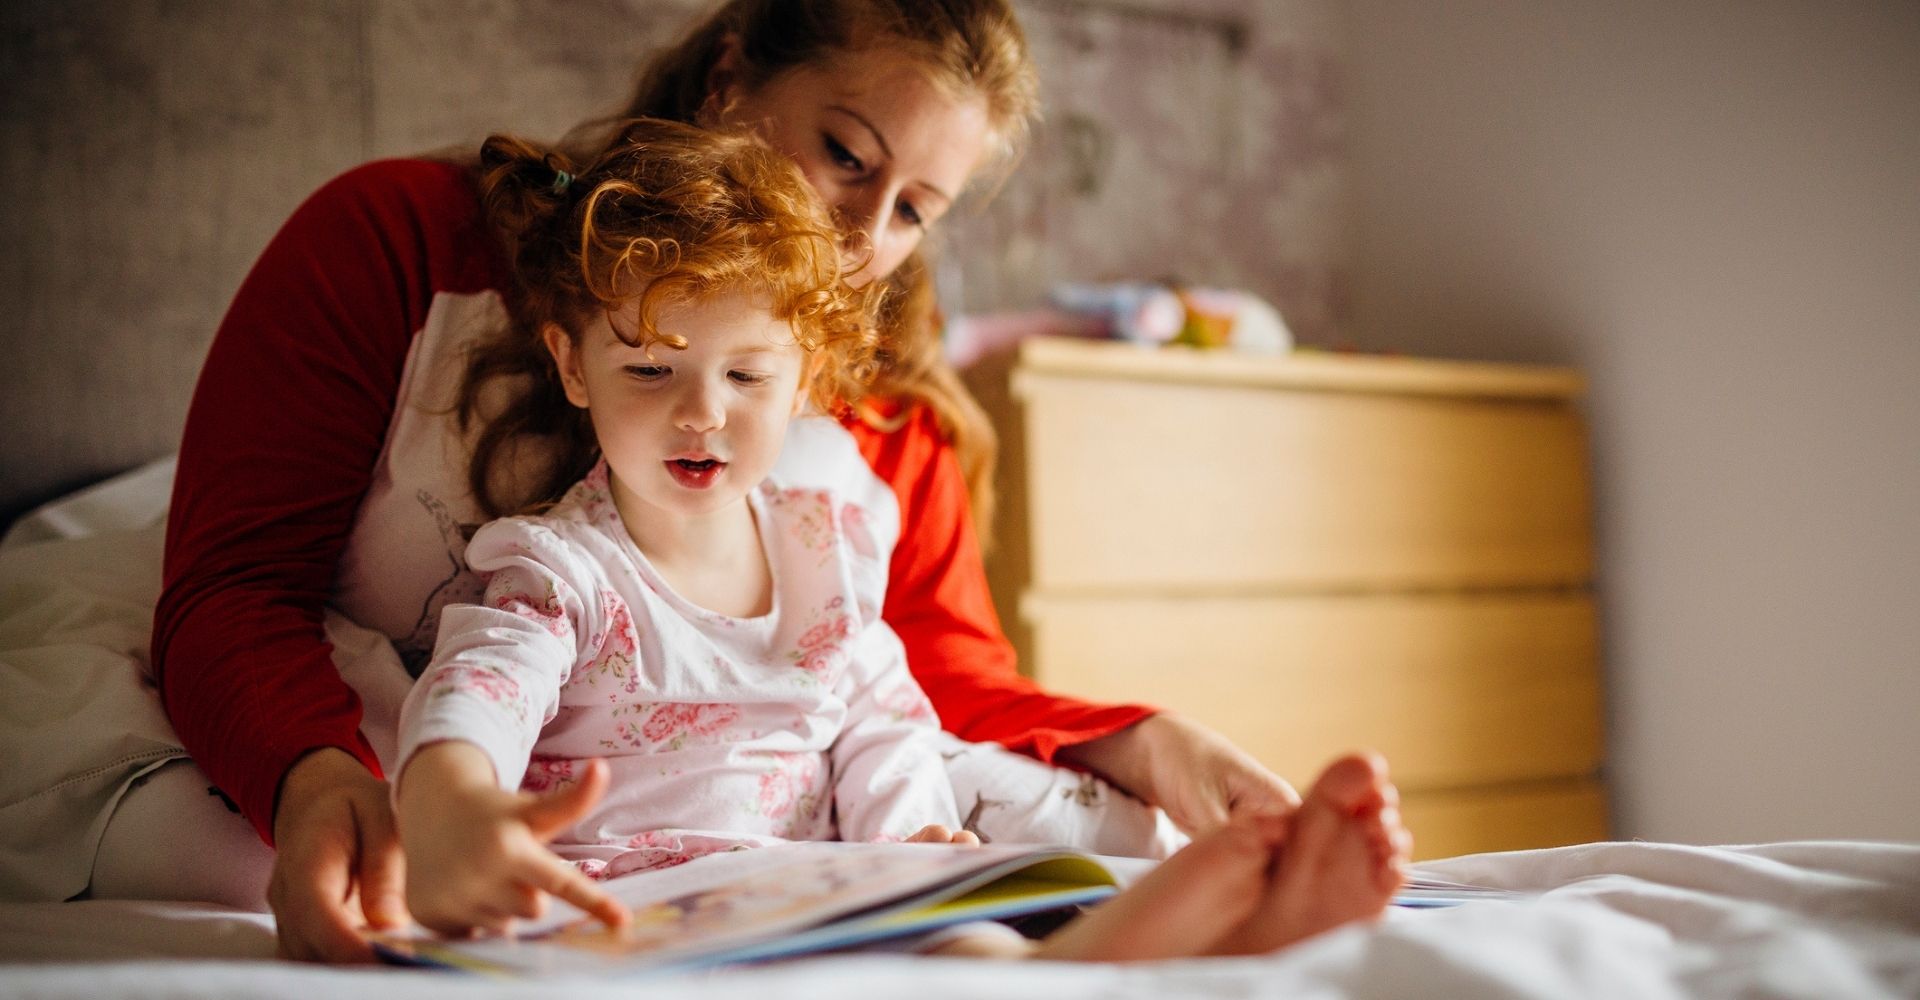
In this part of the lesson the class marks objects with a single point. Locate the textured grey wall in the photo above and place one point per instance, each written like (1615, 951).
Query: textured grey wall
(153, 147)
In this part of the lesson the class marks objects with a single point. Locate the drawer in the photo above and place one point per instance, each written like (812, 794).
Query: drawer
(1132, 484)
(1456, 690)
(1505, 818)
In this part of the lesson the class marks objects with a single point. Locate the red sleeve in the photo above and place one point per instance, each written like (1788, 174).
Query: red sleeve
(938, 602)
(281, 442)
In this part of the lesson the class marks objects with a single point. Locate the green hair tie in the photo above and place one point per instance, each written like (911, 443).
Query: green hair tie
(560, 181)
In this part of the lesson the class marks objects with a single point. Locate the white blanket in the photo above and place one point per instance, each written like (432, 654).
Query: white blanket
(1825, 920)
(1815, 920)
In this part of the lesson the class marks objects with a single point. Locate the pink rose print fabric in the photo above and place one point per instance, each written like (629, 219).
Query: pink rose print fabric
(544, 610)
(791, 786)
(907, 703)
(854, 520)
(618, 644)
(548, 774)
(821, 648)
(719, 732)
(809, 517)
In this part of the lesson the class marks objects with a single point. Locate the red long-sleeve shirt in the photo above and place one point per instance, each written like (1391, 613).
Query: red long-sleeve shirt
(286, 433)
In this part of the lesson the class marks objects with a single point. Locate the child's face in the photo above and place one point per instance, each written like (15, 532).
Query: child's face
(687, 432)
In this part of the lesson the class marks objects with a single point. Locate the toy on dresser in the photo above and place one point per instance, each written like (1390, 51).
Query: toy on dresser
(1146, 313)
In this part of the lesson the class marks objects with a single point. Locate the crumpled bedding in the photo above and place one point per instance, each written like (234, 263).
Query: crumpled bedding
(1640, 920)
(1636, 920)
(78, 582)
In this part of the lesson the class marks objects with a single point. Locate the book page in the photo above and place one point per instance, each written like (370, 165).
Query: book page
(727, 903)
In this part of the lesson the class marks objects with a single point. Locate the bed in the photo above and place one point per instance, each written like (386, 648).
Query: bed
(1826, 920)
(1812, 919)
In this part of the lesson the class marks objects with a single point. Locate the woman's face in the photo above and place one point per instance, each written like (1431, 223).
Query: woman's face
(884, 146)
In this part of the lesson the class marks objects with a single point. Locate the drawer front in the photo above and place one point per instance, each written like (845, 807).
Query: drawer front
(1505, 818)
(1133, 484)
(1455, 690)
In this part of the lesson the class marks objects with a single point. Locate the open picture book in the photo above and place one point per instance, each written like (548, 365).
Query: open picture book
(799, 898)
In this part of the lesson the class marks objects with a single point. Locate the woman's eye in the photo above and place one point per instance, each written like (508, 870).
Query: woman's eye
(911, 215)
(841, 155)
(748, 378)
(648, 373)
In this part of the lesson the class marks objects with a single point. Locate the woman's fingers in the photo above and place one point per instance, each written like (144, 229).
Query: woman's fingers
(1254, 789)
(383, 873)
(319, 858)
(311, 884)
(324, 845)
(935, 833)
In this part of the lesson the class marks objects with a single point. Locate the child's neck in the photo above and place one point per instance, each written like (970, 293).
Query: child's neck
(717, 560)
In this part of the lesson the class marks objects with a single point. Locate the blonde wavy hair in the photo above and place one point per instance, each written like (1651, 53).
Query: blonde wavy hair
(663, 213)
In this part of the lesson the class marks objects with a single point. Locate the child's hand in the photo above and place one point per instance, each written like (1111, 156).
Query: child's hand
(477, 856)
(937, 834)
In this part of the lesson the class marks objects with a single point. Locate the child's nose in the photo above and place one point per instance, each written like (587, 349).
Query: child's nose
(700, 410)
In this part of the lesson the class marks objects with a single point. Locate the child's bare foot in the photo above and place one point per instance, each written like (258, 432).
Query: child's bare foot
(1344, 857)
(1185, 905)
(1260, 883)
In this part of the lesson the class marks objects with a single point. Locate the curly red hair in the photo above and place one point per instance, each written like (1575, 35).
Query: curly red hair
(665, 213)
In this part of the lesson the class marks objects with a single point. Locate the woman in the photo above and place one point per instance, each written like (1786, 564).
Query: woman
(313, 471)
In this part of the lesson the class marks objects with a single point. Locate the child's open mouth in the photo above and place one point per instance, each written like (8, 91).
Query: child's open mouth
(695, 474)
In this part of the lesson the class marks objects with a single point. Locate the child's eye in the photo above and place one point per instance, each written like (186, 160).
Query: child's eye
(911, 215)
(748, 378)
(648, 373)
(841, 155)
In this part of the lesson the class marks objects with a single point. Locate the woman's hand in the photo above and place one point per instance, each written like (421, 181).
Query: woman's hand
(1192, 772)
(477, 855)
(337, 867)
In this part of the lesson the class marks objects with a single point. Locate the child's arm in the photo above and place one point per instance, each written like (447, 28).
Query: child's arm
(476, 854)
(469, 725)
(889, 780)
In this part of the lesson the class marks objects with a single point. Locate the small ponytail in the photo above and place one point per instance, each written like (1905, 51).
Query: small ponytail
(521, 188)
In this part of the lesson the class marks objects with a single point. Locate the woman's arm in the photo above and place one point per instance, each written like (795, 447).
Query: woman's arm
(282, 439)
(939, 604)
(1197, 775)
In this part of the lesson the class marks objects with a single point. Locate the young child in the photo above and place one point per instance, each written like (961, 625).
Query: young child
(682, 654)
(709, 633)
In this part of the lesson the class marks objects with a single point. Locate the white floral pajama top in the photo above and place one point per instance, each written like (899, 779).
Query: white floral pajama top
(721, 732)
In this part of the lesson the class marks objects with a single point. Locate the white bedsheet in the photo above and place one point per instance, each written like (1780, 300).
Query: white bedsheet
(1826, 920)
(1635, 920)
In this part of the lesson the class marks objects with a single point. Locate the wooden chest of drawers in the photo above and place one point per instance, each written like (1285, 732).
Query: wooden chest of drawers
(1317, 553)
